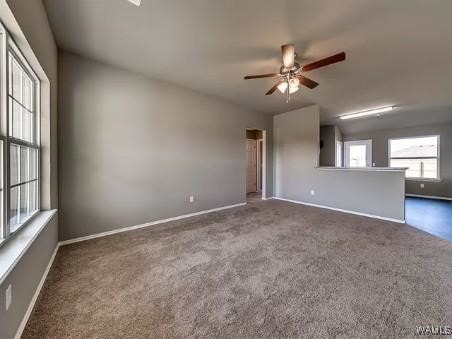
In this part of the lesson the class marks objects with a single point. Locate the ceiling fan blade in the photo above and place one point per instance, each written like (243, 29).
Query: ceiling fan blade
(307, 82)
(275, 86)
(269, 75)
(324, 62)
(288, 55)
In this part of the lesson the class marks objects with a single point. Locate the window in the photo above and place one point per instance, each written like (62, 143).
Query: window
(358, 153)
(338, 153)
(420, 155)
(19, 139)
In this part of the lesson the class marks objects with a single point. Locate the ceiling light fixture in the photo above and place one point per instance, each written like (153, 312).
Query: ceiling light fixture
(366, 113)
(294, 85)
(136, 2)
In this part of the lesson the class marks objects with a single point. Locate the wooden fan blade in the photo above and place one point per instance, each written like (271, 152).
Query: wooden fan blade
(275, 86)
(324, 62)
(288, 55)
(307, 82)
(269, 75)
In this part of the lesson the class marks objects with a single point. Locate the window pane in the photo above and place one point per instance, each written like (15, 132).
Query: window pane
(27, 91)
(33, 196)
(27, 125)
(23, 164)
(16, 76)
(23, 203)
(418, 168)
(21, 122)
(14, 119)
(33, 164)
(414, 147)
(14, 220)
(14, 155)
(20, 102)
(358, 156)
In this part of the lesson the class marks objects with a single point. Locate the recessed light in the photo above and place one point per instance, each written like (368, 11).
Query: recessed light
(375, 111)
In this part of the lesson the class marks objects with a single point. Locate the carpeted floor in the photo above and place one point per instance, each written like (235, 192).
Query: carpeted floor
(269, 269)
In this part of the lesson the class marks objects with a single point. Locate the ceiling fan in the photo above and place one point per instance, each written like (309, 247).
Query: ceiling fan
(291, 74)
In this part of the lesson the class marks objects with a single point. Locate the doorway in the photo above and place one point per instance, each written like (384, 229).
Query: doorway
(255, 164)
(358, 153)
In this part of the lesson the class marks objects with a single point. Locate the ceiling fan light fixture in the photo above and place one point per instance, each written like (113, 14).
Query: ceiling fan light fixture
(294, 85)
(135, 2)
(282, 87)
(293, 89)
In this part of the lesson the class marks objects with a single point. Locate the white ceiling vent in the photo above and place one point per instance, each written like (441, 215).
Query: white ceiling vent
(136, 2)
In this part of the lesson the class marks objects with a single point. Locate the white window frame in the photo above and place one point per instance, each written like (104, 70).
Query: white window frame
(438, 150)
(339, 154)
(367, 143)
(8, 46)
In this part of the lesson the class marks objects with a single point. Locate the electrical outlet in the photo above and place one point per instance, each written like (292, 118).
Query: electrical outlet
(8, 297)
(422, 185)
(192, 199)
(312, 192)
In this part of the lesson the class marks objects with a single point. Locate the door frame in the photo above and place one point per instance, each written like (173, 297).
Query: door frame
(264, 160)
(367, 143)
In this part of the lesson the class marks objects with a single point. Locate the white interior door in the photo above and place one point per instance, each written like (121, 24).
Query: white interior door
(358, 153)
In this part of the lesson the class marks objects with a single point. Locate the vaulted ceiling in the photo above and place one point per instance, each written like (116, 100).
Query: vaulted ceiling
(398, 52)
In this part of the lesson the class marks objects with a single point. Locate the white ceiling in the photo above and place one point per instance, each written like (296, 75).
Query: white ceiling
(398, 52)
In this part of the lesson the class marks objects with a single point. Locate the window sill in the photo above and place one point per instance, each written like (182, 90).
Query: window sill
(15, 248)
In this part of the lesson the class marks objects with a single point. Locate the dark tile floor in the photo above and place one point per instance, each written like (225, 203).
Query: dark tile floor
(430, 215)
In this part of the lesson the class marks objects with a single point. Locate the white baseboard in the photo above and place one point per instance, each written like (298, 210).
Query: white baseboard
(152, 223)
(35, 296)
(344, 211)
(427, 197)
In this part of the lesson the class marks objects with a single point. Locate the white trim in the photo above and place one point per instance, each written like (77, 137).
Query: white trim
(18, 245)
(264, 159)
(35, 296)
(428, 197)
(438, 156)
(152, 223)
(400, 221)
(369, 155)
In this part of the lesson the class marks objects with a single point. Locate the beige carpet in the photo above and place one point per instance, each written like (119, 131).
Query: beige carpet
(269, 269)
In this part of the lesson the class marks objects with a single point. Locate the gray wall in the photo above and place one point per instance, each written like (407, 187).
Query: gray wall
(27, 22)
(330, 135)
(296, 151)
(25, 277)
(380, 155)
(132, 149)
(328, 150)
